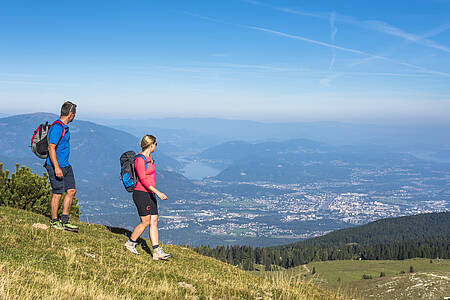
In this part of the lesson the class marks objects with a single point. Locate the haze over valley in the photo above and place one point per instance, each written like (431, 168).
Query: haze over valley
(261, 191)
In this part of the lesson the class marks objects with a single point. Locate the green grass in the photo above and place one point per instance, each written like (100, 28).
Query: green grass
(93, 264)
(428, 281)
(350, 270)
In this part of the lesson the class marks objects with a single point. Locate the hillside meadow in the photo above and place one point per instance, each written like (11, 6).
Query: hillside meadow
(42, 263)
(429, 279)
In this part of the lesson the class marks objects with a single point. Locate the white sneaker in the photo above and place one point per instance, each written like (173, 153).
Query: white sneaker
(132, 247)
(159, 253)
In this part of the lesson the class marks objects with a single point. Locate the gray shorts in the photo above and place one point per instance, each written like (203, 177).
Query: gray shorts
(60, 185)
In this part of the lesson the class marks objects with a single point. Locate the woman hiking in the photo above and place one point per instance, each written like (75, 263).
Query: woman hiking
(145, 200)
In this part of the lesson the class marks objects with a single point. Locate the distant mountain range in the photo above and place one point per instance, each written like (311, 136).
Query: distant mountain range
(443, 155)
(95, 152)
(212, 131)
(282, 183)
(87, 138)
(178, 142)
(235, 151)
(305, 161)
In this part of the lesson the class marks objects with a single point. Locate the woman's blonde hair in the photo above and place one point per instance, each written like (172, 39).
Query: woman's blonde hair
(147, 141)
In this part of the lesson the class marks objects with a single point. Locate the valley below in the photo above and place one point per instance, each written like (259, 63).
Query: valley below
(218, 212)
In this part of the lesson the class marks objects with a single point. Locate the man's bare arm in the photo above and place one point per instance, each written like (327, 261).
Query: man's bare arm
(52, 155)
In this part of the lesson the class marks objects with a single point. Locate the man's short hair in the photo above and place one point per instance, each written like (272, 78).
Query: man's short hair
(67, 108)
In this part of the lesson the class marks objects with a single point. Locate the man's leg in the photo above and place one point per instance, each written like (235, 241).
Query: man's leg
(55, 205)
(57, 190)
(69, 187)
(67, 201)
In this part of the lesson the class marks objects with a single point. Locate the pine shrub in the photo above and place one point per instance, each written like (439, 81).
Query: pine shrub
(29, 191)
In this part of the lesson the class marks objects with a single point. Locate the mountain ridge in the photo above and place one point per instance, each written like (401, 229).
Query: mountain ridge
(387, 230)
(95, 152)
(304, 160)
(333, 132)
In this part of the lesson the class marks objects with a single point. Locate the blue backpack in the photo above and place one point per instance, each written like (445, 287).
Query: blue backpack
(128, 174)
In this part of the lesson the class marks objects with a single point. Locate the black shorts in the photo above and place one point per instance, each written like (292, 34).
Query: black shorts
(145, 203)
(60, 185)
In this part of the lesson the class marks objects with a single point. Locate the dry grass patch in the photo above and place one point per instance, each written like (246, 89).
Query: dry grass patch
(94, 264)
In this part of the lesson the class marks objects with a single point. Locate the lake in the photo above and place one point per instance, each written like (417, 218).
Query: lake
(196, 170)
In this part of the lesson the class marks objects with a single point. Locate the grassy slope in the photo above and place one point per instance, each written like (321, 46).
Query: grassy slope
(93, 264)
(429, 280)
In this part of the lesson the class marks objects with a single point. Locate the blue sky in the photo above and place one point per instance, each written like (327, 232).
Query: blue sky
(353, 61)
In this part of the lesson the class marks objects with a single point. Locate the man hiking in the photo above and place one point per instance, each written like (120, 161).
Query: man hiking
(59, 169)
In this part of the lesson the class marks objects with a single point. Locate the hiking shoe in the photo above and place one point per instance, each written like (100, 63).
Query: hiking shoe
(159, 253)
(56, 224)
(132, 247)
(70, 227)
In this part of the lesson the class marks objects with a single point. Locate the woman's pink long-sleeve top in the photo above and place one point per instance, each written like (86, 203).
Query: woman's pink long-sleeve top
(146, 178)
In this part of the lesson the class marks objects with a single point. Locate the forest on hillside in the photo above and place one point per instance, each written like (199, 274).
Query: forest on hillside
(424, 236)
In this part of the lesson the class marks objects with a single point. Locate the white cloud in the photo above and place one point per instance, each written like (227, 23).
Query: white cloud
(325, 82)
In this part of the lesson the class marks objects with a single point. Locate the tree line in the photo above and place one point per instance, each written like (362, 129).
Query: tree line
(425, 236)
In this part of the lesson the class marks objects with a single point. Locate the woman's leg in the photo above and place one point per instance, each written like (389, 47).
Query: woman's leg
(145, 221)
(154, 229)
(158, 252)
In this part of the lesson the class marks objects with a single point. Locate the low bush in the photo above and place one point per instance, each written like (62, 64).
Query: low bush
(29, 191)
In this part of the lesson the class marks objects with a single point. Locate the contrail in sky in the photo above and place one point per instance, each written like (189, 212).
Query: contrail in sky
(374, 25)
(301, 38)
(333, 38)
(320, 43)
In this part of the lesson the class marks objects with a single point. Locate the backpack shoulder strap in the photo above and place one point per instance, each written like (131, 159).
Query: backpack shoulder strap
(63, 131)
(63, 127)
(145, 160)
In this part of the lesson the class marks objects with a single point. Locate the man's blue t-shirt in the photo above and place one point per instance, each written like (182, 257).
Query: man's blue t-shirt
(63, 148)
